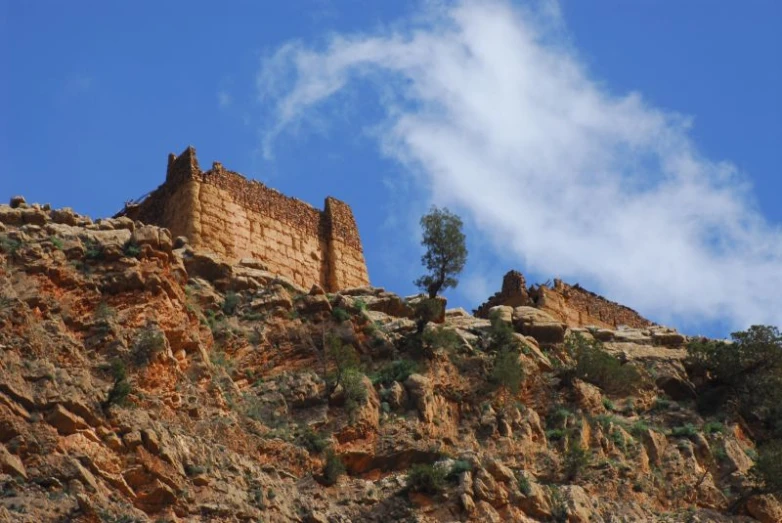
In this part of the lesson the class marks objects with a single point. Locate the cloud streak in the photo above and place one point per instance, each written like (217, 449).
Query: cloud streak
(493, 112)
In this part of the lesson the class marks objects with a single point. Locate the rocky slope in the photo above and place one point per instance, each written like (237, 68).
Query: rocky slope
(143, 381)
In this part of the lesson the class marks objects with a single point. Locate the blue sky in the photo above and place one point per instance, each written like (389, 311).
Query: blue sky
(633, 147)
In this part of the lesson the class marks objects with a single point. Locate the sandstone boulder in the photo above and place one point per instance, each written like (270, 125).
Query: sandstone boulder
(736, 460)
(65, 421)
(765, 508)
(10, 464)
(538, 324)
(420, 389)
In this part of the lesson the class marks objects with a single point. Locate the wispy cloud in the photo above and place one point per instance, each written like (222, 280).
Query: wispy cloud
(77, 83)
(493, 111)
(224, 98)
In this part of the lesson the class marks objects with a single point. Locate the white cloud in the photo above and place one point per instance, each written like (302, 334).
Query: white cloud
(224, 98)
(493, 111)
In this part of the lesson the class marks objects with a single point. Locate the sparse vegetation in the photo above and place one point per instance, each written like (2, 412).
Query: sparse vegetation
(93, 250)
(687, 430)
(458, 467)
(340, 314)
(591, 363)
(525, 487)
(9, 245)
(713, 427)
(313, 441)
(423, 477)
(149, 343)
(230, 303)
(121, 389)
(397, 370)
(57, 242)
(744, 376)
(577, 458)
(333, 467)
(768, 467)
(131, 249)
(507, 372)
(354, 389)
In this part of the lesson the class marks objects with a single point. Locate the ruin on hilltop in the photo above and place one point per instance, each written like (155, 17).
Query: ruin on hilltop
(223, 212)
(571, 304)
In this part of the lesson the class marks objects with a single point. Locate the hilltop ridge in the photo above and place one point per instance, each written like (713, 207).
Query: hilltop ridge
(145, 379)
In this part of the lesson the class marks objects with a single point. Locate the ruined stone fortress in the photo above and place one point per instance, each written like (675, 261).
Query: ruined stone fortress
(223, 212)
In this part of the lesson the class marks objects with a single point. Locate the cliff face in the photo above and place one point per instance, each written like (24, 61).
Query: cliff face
(143, 379)
(222, 212)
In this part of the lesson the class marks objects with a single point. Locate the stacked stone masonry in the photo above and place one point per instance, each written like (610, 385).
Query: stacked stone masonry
(223, 212)
(570, 304)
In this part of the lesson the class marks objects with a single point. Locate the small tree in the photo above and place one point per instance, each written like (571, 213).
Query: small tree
(344, 359)
(446, 252)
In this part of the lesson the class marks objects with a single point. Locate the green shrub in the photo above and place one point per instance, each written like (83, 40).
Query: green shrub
(594, 365)
(56, 242)
(119, 393)
(9, 245)
(555, 434)
(608, 404)
(745, 375)
(148, 344)
(501, 335)
(397, 370)
(230, 303)
(440, 337)
(343, 358)
(93, 250)
(340, 314)
(360, 304)
(639, 428)
(333, 467)
(523, 482)
(720, 454)
(131, 249)
(426, 478)
(685, 431)
(355, 391)
(768, 467)
(713, 427)
(577, 459)
(458, 467)
(507, 372)
(426, 310)
(313, 441)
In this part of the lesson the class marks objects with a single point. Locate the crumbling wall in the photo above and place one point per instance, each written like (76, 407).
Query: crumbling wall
(571, 304)
(513, 293)
(221, 211)
(579, 307)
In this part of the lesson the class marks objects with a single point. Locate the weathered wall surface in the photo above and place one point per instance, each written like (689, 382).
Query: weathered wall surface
(223, 212)
(579, 307)
(513, 294)
(571, 304)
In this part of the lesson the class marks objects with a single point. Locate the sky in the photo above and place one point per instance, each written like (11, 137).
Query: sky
(631, 147)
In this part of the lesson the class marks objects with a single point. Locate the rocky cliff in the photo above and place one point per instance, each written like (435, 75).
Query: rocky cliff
(145, 379)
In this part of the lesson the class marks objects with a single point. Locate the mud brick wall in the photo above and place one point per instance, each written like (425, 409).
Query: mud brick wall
(223, 212)
(513, 294)
(571, 304)
(579, 307)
